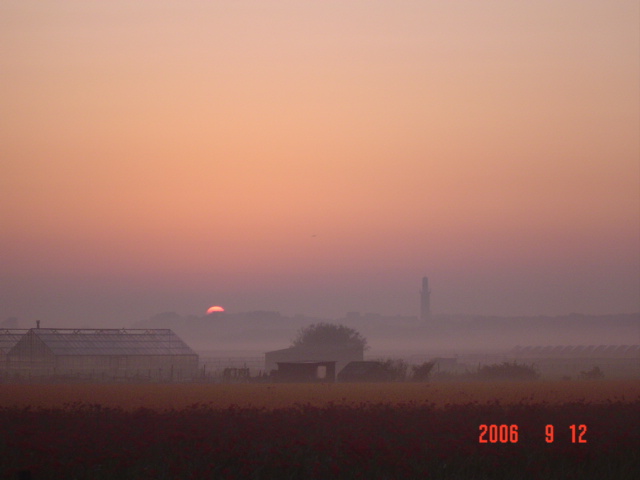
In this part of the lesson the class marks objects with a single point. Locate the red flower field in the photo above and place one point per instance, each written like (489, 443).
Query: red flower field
(334, 440)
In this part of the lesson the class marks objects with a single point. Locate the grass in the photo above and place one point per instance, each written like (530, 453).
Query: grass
(167, 396)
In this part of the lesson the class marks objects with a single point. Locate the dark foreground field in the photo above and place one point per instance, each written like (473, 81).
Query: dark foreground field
(368, 440)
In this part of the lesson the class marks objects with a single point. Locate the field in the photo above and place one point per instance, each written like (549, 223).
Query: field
(277, 431)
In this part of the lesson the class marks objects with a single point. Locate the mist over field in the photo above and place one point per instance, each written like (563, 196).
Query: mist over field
(258, 332)
(254, 333)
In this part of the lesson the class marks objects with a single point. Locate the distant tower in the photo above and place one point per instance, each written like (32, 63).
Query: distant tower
(425, 301)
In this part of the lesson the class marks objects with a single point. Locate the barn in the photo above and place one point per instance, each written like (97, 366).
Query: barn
(365, 371)
(340, 354)
(305, 372)
(107, 354)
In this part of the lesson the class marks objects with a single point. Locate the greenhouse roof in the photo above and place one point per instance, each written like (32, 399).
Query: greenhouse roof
(9, 337)
(112, 341)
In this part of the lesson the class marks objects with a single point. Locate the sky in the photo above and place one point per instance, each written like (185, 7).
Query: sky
(317, 158)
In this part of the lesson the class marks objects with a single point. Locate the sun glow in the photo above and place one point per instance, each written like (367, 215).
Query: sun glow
(214, 309)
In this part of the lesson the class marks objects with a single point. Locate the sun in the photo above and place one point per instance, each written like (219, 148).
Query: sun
(214, 309)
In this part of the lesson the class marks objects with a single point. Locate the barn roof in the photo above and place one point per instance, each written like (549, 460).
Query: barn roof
(317, 349)
(112, 341)
(362, 368)
(9, 337)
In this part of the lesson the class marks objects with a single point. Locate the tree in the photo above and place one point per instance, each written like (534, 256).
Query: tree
(322, 334)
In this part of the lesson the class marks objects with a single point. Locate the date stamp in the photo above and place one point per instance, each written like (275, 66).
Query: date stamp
(509, 433)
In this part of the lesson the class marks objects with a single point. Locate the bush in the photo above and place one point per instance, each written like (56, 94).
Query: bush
(507, 371)
(422, 372)
(594, 374)
(395, 370)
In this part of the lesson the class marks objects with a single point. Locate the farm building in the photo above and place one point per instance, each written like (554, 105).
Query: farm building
(321, 353)
(305, 372)
(365, 371)
(102, 354)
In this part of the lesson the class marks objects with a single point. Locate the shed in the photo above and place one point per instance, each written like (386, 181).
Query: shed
(317, 353)
(365, 371)
(103, 354)
(305, 372)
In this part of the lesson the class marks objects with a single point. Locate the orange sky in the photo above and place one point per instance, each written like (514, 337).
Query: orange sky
(318, 157)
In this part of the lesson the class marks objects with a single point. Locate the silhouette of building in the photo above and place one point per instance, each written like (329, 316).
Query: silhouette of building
(157, 354)
(425, 300)
(365, 371)
(305, 372)
(340, 354)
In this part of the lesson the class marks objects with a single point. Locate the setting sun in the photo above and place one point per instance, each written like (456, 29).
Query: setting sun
(215, 308)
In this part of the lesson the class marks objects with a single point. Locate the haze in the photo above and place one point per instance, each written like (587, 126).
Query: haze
(318, 158)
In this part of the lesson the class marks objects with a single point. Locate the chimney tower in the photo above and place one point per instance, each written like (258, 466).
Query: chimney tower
(425, 301)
